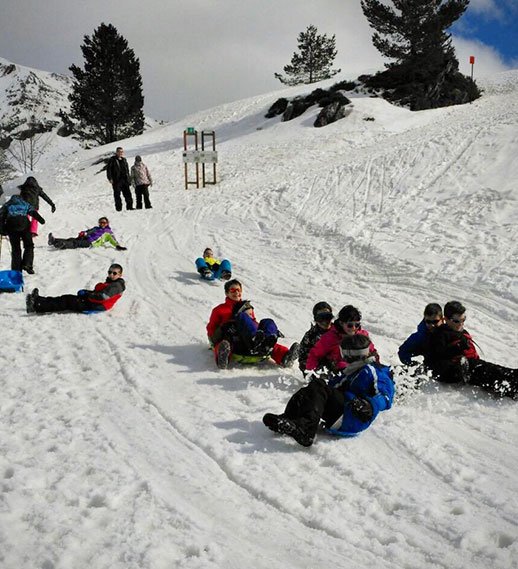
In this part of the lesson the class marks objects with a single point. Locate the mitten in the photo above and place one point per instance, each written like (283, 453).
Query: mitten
(120, 248)
(362, 409)
(52, 208)
(82, 293)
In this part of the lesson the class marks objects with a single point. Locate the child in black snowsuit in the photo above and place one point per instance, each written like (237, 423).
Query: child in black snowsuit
(323, 316)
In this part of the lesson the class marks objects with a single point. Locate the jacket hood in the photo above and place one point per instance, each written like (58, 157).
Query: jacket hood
(30, 182)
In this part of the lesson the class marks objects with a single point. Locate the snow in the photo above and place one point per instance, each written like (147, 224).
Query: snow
(122, 446)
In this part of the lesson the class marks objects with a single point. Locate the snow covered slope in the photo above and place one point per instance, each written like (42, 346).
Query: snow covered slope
(123, 447)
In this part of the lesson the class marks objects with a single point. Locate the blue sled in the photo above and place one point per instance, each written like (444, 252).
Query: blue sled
(11, 281)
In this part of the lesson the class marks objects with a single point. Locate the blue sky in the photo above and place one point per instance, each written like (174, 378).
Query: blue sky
(494, 23)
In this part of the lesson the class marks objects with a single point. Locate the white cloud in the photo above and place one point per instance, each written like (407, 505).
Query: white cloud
(487, 59)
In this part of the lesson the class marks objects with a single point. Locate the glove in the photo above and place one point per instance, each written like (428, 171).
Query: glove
(52, 208)
(81, 234)
(362, 409)
(82, 293)
(121, 248)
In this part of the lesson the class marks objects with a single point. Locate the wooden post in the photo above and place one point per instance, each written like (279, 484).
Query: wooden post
(212, 134)
(186, 133)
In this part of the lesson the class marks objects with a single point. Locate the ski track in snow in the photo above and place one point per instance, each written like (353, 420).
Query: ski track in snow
(123, 446)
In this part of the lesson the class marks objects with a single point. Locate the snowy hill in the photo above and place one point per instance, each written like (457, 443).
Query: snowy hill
(27, 93)
(124, 447)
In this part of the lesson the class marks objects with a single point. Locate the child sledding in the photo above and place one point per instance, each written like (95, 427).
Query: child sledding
(211, 268)
(97, 236)
(346, 404)
(236, 335)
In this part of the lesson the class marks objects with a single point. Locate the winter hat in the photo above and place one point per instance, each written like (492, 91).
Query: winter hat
(242, 306)
(138, 159)
(349, 314)
(355, 347)
(30, 182)
(322, 311)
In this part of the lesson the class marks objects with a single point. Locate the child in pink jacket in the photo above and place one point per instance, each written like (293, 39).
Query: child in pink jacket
(326, 353)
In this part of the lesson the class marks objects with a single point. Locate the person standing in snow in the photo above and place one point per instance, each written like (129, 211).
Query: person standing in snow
(101, 298)
(117, 172)
(93, 237)
(418, 343)
(142, 181)
(31, 192)
(15, 223)
(347, 405)
(322, 315)
(454, 358)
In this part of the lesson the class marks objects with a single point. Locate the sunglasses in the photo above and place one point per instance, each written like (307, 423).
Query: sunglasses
(113, 273)
(352, 325)
(432, 322)
(458, 320)
(234, 290)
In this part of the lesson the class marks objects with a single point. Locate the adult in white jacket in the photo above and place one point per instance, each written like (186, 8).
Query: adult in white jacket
(141, 179)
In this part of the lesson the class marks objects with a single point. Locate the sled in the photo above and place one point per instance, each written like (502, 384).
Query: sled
(11, 281)
(248, 360)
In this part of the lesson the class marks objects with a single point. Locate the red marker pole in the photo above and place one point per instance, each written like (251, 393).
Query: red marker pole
(472, 62)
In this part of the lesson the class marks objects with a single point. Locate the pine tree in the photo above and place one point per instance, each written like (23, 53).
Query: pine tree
(313, 60)
(424, 73)
(107, 95)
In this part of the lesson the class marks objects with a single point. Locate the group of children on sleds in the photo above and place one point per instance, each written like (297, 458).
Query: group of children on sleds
(347, 385)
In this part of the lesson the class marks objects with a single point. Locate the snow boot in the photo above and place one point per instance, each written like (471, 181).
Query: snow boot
(223, 354)
(51, 239)
(291, 355)
(30, 301)
(225, 275)
(281, 424)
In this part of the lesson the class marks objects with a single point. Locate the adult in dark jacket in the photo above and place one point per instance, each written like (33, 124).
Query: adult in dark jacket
(101, 298)
(454, 357)
(16, 225)
(118, 174)
(31, 192)
(418, 343)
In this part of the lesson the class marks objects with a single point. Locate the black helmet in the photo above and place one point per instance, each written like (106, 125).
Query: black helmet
(322, 311)
(242, 306)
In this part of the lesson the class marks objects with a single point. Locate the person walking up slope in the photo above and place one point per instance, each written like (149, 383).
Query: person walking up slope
(31, 192)
(15, 223)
